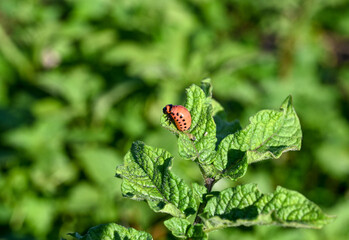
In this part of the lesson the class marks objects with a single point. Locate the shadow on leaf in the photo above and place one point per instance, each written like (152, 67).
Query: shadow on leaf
(247, 213)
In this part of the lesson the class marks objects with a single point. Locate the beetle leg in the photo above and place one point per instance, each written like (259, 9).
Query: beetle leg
(168, 119)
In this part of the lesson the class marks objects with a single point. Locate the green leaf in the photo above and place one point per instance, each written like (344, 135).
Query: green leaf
(237, 162)
(197, 232)
(203, 127)
(206, 86)
(246, 205)
(182, 228)
(225, 128)
(199, 191)
(112, 231)
(269, 134)
(146, 176)
(178, 226)
(218, 109)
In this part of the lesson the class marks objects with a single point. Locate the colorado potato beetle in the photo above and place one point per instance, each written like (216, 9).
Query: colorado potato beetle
(179, 115)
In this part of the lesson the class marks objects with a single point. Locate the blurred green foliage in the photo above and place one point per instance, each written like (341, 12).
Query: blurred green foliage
(80, 80)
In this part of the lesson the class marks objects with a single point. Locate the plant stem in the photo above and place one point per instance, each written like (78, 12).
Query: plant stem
(207, 171)
(209, 182)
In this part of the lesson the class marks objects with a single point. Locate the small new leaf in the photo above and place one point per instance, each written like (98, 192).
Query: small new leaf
(146, 176)
(113, 231)
(269, 134)
(196, 232)
(199, 191)
(246, 205)
(178, 226)
(182, 228)
(201, 146)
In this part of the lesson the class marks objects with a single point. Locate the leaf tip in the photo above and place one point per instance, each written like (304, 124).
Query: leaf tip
(206, 86)
(287, 102)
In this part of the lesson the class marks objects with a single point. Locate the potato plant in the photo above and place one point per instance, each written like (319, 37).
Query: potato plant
(221, 149)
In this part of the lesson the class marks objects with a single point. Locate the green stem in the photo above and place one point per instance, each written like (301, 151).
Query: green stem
(209, 182)
(207, 171)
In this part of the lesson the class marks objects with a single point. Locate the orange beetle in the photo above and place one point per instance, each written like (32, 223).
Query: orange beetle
(180, 115)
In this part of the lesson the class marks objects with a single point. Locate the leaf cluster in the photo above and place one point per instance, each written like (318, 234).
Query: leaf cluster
(80, 79)
(146, 172)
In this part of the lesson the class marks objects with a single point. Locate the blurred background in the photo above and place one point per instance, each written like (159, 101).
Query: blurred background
(81, 80)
